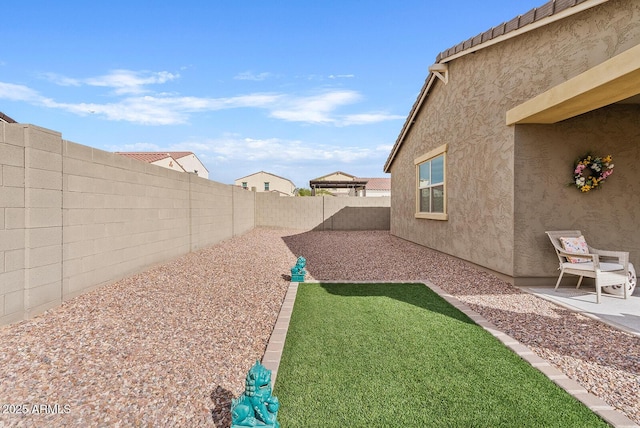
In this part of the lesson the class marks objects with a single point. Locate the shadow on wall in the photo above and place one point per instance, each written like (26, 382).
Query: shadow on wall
(358, 218)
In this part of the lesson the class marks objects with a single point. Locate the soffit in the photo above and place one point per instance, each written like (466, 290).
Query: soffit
(615, 80)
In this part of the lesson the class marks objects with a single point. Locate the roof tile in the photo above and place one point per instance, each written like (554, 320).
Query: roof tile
(544, 11)
(487, 35)
(498, 30)
(527, 18)
(548, 9)
(378, 183)
(561, 5)
(151, 157)
(514, 24)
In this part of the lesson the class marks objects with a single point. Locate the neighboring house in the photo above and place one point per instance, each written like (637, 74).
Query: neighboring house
(178, 161)
(376, 186)
(266, 182)
(484, 163)
(342, 184)
(6, 119)
(338, 184)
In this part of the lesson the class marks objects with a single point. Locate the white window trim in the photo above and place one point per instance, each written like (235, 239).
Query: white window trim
(442, 150)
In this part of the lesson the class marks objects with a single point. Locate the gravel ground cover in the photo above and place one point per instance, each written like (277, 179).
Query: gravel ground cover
(171, 346)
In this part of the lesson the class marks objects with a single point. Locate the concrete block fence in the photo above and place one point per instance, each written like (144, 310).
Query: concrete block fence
(323, 212)
(73, 218)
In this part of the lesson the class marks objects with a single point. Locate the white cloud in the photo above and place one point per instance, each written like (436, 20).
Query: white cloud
(62, 80)
(365, 118)
(131, 82)
(316, 108)
(232, 156)
(9, 91)
(138, 147)
(122, 81)
(131, 104)
(146, 110)
(341, 76)
(249, 75)
(233, 148)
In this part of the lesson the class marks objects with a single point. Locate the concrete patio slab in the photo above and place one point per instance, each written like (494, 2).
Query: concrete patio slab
(620, 313)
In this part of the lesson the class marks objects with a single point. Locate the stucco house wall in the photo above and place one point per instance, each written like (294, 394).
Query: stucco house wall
(278, 184)
(191, 163)
(608, 217)
(169, 163)
(504, 181)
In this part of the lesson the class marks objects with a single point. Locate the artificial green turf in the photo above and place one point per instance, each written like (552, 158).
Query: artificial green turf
(398, 355)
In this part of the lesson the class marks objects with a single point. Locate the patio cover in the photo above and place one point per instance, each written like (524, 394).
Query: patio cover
(612, 81)
(333, 184)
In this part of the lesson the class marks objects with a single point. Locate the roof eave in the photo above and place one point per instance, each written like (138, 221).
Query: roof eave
(410, 119)
(470, 46)
(484, 40)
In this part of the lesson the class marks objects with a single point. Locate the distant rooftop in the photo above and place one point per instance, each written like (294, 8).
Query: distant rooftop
(151, 157)
(383, 183)
(5, 118)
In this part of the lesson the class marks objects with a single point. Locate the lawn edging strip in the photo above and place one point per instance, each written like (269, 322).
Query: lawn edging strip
(275, 347)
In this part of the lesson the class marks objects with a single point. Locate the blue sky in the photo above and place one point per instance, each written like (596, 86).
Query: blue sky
(296, 88)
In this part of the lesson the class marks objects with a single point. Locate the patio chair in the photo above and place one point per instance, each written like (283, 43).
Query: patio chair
(610, 269)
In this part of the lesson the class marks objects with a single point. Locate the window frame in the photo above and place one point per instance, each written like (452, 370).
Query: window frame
(266, 186)
(430, 155)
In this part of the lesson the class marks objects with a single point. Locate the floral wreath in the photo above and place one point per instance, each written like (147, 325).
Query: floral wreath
(590, 171)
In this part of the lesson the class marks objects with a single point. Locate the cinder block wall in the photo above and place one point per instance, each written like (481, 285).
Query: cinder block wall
(244, 210)
(13, 241)
(119, 215)
(73, 218)
(323, 212)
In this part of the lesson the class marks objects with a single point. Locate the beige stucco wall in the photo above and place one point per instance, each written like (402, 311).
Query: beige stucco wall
(191, 163)
(169, 163)
(323, 212)
(469, 115)
(336, 176)
(276, 184)
(608, 217)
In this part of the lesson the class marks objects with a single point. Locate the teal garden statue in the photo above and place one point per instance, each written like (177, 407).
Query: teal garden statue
(298, 272)
(256, 407)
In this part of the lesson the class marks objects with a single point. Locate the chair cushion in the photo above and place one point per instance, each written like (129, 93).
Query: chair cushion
(576, 245)
(604, 267)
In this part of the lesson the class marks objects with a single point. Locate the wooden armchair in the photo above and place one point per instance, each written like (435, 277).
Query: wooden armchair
(610, 269)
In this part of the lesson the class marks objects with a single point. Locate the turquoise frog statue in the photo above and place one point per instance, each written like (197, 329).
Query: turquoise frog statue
(298, 272)
(256, 407)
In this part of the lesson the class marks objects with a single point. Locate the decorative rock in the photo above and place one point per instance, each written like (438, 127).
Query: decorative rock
(297, 272)
(256, 407)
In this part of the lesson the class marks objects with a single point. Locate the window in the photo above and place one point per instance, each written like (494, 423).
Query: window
(244, 184)
(431, 195)
(266, 186)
